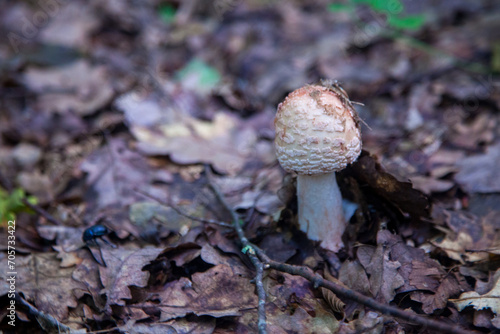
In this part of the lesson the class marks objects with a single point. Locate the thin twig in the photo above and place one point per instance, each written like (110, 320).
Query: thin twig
(182, 213)
(319, 281)
(234, 216)
(46, 321)
(42, 212)
(261, 292)
(247, 249)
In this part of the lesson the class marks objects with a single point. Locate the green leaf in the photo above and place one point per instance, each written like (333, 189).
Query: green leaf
(394, 7)
(9, 216)
(495, 57)
(14, 201)
(204, 76)
(11, 204)
(384, 6)
(379, 5)
(389, 7)
(32, 200)
(339, 7)
(410, 22)
(167, 13)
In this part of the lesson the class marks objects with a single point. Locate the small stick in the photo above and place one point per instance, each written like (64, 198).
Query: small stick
(180, 212)
(46, 321)
(42, 212)
(234, 217)
(248, 249)
(261, 293)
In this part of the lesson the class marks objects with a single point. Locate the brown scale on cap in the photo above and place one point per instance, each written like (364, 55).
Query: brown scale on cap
(317, 130)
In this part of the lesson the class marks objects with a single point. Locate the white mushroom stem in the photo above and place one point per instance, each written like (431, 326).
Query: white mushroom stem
(320, 209)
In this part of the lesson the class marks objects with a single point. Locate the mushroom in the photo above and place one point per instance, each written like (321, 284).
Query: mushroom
(317, 134)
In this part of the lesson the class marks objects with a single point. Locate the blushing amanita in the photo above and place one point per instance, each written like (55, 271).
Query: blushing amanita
(317, 134)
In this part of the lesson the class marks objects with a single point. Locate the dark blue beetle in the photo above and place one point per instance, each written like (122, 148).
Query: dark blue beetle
(91, 234)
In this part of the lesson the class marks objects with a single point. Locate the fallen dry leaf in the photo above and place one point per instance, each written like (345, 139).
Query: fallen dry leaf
(180, 260)
(37, 184)
(193, 325)
(275, 245)
(146, 213)
(468, 237)
(42, 280)
(424, 277)
(489, 300)
(471, 136)
(353, 275)
(77, 87)
(217, 292)
(68, 259)
(221, 142)
(335, 303)
(368, 322)
(213, 256)
(71, 26)
(225, 141)
(257, 190)
(383, 273)
(87, 273)
(480, 173)
(112, 173)
(133, 327)
(68, 238)
(301, 321)
(124, 269)
(368, 170)
(428, 185)
(448, 286)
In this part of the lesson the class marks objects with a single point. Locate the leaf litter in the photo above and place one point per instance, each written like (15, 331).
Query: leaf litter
(134, 104)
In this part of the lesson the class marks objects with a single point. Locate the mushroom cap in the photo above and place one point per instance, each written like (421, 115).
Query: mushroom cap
(317, 130)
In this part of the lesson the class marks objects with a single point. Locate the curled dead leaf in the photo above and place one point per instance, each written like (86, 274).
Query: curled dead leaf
(368, 171)
(335, 303)
(489, 300)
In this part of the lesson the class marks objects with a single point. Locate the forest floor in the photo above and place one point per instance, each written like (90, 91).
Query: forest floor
(153, 120)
